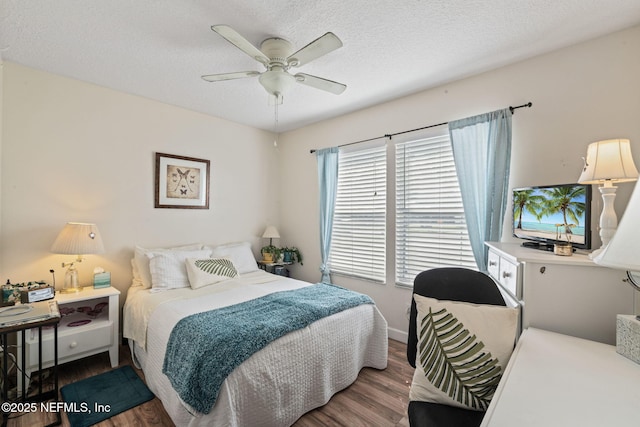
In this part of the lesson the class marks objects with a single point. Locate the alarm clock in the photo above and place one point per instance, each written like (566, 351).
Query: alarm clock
(38, 294)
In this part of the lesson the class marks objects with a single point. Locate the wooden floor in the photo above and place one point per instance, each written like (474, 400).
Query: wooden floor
(377, 398)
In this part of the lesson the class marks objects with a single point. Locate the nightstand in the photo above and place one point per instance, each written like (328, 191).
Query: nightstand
(277, 268)
(89, 325)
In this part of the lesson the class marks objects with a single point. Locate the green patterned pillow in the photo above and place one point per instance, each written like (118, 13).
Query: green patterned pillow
(208, 271)
(462, 351)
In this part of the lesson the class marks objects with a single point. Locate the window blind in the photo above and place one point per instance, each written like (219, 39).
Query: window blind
(431, 230)
(358, 236)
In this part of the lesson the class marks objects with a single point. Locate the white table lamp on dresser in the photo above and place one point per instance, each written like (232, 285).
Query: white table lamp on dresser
(623, 253)
(607, 163)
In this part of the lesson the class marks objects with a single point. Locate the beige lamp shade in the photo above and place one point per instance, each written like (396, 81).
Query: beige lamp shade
(609, 160)
(78, 238)
(271, 233)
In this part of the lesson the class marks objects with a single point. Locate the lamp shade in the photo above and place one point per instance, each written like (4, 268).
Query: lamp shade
(622, 251)
(78, 238)
(609, 160)
(271, 233)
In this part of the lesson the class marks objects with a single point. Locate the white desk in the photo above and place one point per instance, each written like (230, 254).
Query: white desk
(558, 380)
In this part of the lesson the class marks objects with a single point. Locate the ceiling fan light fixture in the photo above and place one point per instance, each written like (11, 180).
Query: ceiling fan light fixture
(276, 55)
(276, 82)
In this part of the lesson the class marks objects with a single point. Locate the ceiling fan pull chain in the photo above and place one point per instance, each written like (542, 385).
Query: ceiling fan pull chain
(275, 140)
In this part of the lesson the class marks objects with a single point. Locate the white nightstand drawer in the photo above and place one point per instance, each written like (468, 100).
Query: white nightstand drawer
(99, 335)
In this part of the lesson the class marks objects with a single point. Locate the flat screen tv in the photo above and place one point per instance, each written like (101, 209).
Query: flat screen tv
(555, 213)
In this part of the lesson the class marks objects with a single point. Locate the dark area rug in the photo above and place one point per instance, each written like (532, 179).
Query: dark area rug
(94, 399)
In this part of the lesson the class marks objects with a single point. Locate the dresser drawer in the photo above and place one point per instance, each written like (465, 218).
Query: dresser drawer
(508, 277)
(504, 272)
(493, 265)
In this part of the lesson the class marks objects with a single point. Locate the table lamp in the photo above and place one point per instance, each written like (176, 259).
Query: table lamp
(271, 233)
(608, 162)
(76, 239)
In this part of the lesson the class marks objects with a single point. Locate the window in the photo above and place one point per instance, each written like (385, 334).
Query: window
(431, 230)
(359, 223)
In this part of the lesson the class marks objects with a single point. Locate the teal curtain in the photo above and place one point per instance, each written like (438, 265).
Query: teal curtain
(482, 155)
(328, 186)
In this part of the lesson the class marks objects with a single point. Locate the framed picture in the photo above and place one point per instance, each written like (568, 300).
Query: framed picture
(181, 182)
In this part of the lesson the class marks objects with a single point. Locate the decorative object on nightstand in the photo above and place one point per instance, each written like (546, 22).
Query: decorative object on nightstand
(76, 239)
(270, 253)
(622, 253)
(608, 162)
(101, 278)
(291, 254)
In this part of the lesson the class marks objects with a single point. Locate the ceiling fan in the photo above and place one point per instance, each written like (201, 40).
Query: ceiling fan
(276, 55)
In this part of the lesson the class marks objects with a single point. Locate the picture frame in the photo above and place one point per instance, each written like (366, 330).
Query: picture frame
(181, 182)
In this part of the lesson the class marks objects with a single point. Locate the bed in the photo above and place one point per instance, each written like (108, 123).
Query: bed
(291, 375)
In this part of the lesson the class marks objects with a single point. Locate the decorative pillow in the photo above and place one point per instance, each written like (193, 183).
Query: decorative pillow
(463, 349)
(140, 262)
(208, 271)
(168, 269)
(240, 254)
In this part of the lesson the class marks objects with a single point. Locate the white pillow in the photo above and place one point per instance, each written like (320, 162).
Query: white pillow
(208, 271)
(140, 262)
(473, 341)
(240, 254)
(168, 269)
(136, 276)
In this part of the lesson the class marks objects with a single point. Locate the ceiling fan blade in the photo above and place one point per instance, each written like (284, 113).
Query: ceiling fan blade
(230, 76)
(320, 83)
(233, 37)
(320, 46)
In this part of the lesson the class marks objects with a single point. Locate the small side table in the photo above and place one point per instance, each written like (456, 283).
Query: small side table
(80, 335)
(277, 268)
(41, 396)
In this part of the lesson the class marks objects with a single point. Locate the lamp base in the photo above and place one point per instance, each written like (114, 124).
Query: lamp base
(71, 283)
(608, 218)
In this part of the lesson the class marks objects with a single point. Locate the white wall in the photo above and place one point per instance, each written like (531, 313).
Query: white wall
(580, 94)
(73, 151)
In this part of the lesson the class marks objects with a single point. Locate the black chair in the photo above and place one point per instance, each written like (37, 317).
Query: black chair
(453, 284)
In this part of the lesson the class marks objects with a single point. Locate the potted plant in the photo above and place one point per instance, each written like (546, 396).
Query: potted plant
(292, 254)
(270, 253)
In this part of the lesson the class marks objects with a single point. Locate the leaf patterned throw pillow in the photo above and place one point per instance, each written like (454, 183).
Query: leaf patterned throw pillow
(208, 271)
(462, 351)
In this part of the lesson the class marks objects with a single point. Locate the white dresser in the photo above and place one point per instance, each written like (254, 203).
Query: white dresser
(570, 295)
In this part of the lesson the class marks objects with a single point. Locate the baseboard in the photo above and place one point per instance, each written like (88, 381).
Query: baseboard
(398, 335)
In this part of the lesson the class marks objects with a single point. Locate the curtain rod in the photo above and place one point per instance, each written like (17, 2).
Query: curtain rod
(389, 135)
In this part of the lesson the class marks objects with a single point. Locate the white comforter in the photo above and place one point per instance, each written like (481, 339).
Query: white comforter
(289, 377)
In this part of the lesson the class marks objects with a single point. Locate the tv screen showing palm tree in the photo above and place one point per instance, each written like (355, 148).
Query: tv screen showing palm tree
(555, 213)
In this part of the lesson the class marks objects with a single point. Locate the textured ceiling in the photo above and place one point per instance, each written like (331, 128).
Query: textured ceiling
(159, 48)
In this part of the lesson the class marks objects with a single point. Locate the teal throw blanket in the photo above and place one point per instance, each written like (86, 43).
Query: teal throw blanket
(204, 348)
